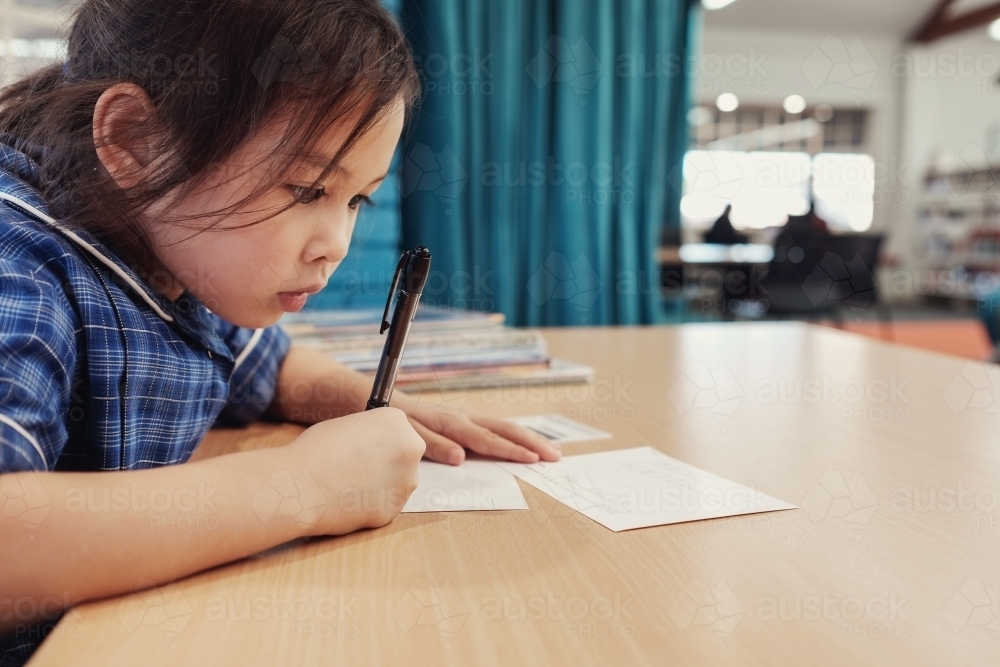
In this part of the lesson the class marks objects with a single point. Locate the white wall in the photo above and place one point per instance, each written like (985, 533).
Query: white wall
(951, 97)
(951, 103)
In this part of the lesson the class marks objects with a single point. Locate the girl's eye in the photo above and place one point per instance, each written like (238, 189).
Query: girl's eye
(305, 195)
(357, 200)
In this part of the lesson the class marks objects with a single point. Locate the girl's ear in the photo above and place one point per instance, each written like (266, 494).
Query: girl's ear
(125, 135)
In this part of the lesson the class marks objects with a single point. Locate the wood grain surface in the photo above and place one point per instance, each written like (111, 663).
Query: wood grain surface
(893, 454)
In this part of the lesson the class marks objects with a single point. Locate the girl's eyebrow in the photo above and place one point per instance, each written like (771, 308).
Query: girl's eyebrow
(322, 162)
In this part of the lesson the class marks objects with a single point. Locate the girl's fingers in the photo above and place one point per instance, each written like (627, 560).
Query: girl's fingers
(481, 440)
(446, 434)
(520, 435)
(439, 447)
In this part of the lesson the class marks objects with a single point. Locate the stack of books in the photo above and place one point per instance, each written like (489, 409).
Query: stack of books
(447, 348)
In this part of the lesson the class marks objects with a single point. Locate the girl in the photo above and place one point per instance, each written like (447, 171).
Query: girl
(184, 178)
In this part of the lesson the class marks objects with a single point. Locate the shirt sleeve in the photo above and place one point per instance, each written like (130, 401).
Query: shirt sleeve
(37, 358)
(259, 354)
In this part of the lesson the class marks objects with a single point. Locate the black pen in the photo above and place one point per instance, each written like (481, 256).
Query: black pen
(410, 277)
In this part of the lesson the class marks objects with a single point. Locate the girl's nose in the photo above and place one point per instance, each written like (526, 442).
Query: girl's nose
(329, 241)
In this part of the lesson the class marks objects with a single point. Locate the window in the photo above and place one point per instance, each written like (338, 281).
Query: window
(764, 188)
(31, 36)
(843, 186)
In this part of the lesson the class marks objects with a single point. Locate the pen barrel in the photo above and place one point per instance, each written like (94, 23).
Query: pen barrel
(392, 351)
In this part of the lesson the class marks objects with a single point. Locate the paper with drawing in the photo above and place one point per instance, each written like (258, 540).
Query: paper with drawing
(636, 488)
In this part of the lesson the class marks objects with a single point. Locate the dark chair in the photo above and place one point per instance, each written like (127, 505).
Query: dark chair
(821, 275)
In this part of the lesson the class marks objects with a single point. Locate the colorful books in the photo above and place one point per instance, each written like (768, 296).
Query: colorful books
(366, 321)
(447, 348)
(430, 349)
(556, 371)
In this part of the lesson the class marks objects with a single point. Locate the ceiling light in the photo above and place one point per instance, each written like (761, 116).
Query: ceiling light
(712, 5)
(727, 102)
(994, 30)
(794, 104)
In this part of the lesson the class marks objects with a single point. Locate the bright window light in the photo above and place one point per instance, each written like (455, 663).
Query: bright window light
(727, 102)
(698, 116)
(764, 188)
(712, 5)
(844, 188)
(710, 253)
(994, 30)
(794, 104)
(49, 49)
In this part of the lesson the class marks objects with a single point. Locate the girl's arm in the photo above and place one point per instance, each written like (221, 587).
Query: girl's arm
(313, 387)
(107, 533)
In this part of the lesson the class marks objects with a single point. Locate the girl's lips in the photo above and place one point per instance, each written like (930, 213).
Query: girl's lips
(292, 302)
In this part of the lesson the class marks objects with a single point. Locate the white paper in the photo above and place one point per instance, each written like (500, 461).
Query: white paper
(636, 488)
(560, 429)
(474, 485)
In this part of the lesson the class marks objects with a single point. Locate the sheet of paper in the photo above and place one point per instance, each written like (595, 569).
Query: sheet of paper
(474, 485)
(560, 429)
(641, 487)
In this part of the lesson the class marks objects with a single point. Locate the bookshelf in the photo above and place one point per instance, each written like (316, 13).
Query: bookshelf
(957, 233)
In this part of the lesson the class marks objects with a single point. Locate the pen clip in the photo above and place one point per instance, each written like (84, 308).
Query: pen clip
(392, 290)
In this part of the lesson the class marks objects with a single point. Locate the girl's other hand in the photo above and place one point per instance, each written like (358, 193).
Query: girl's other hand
(449, 433)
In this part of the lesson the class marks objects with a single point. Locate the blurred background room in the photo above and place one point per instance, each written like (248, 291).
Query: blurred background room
(598, 162)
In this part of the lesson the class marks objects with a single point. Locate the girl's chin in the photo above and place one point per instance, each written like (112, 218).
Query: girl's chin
(259, 317)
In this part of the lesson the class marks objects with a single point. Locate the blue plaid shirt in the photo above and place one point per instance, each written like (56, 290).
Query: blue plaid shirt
(97, 370)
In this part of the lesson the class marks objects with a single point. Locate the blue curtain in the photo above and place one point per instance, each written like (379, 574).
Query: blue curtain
(537, 168)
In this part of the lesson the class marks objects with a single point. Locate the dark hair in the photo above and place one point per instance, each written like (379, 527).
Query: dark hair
(216, 72)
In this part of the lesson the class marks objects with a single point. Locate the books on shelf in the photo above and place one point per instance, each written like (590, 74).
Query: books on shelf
(447, 349)
(957, 231)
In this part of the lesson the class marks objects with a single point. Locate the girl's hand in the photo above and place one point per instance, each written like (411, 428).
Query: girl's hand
(365, 468)
(446, 432)
(449, 433)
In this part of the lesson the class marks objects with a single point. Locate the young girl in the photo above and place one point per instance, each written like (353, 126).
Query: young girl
(190, 173)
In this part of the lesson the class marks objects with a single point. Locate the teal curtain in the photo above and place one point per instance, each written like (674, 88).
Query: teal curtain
(537, 168)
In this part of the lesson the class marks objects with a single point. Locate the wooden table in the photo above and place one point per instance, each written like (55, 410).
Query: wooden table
(893, 454)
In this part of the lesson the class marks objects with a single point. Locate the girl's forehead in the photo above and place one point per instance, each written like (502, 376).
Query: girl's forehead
(284, 138)
(282, 148)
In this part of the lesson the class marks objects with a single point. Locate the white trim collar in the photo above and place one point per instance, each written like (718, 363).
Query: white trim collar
(251, 344)
(97, 254)
(27, 436)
